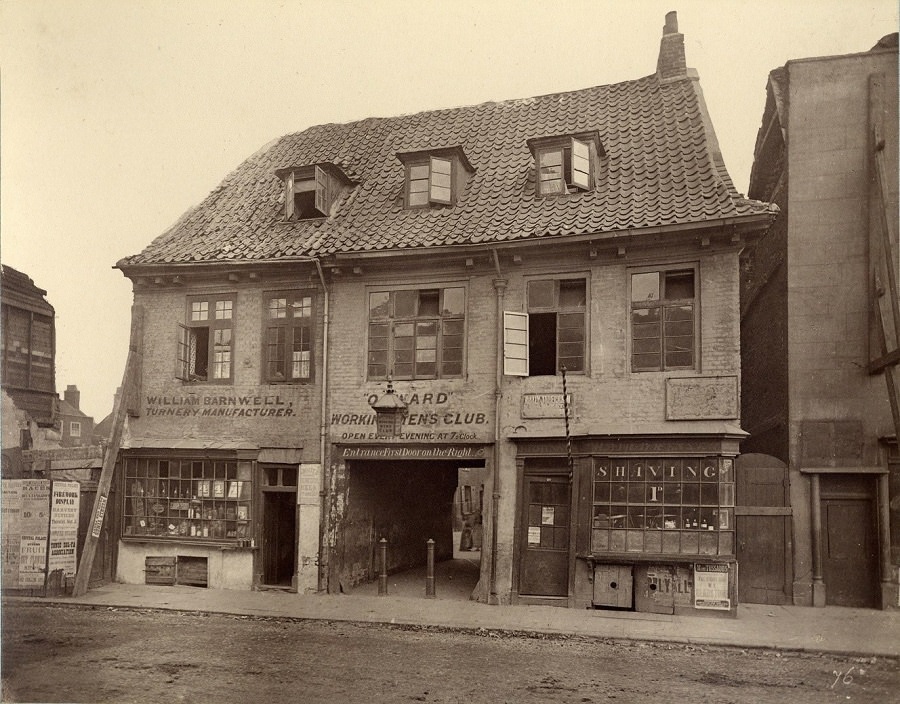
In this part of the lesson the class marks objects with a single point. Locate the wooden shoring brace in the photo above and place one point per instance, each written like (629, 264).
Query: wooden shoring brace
(120, 411)
(884, 271)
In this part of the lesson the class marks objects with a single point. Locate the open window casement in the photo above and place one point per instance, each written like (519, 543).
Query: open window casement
(580, 166)
(515, 343)
(309, 193)
(324, 192)
(184, 358)
(440, 183)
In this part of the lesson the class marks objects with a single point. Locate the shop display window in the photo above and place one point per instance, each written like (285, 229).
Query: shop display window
(188, 499)
(663, 506)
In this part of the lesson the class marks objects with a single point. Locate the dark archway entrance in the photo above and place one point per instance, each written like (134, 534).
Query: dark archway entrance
(406, 502)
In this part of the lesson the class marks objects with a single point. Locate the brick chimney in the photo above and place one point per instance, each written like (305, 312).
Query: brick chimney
(671, 63)
(72, 396)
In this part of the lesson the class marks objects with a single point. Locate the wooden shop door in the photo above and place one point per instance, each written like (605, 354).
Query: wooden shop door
(544, 569)
(279, 550)
(849, 540)
(763, 529)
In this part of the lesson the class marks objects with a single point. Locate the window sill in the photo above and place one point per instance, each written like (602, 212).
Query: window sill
(187, 540)
(655, 558)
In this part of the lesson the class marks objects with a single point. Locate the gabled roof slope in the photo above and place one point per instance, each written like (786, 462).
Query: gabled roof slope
(662, 168)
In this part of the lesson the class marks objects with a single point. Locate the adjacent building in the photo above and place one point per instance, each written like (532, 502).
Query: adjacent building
(819, 309)
(543, 292)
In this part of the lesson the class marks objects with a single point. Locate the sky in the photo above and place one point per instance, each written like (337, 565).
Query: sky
(117, 116)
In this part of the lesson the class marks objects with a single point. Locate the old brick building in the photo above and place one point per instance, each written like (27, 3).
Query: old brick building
(822, 518)
(475, 262)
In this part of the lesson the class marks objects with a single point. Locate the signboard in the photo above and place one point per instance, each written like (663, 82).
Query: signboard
(412, 452)
(711, 587)
(545, 406)
(64, 503)
(702, 398)
(101, 512)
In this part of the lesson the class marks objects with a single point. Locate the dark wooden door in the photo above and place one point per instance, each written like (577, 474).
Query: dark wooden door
(545, 524)
(849, 541)
(763, 529)
(279, 529)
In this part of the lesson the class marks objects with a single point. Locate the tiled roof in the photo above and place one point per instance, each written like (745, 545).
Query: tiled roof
(661, 168)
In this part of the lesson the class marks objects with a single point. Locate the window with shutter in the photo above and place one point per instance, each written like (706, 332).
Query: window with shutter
(557, 327)
(565, 164)
(515, 343)
(205, 342)
(309, 192)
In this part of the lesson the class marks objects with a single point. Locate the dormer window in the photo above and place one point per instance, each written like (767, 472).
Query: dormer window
(565, 164)
(310, 191)
(435, 177)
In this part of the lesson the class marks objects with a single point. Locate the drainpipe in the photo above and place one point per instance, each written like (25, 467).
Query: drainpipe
(324, 552)
(499, 289)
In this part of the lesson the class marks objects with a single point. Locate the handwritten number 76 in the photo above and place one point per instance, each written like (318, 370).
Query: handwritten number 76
(844, 677)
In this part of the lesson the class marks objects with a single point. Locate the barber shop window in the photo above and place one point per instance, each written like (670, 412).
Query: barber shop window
(663, 505)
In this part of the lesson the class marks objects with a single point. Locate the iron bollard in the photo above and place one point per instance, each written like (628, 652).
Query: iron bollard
(429, 571)
(382, 577)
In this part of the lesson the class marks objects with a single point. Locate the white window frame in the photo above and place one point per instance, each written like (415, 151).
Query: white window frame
(576, 172)
(74, 429)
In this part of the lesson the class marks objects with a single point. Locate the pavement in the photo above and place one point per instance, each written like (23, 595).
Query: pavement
(832, 629)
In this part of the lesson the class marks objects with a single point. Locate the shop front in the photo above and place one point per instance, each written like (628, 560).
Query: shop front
(221, 516)
(632, 523)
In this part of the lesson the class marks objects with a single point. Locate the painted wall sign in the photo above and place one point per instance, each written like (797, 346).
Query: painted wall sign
(431, 416)
(262, 406)
(546, 406)
(413, 452)
(65, 498)
(702, 398)
(711, 587)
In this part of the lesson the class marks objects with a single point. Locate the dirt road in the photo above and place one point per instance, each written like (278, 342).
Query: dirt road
(70, 654)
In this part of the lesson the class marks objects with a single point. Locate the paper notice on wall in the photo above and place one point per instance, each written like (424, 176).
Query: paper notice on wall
(64, 504)
(534, 535)
(11, 531)
(711, 587)
(548, 513)
(34, 526)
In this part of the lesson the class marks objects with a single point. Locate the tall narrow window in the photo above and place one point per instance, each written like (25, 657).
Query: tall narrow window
(663, 320)
(556, 325)
(205, 342)
(416, 333)
(288, 336)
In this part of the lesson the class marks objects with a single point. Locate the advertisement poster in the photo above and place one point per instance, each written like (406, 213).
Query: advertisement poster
(34, 524)
(711, 587)
(64, 502)
(11, 531)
